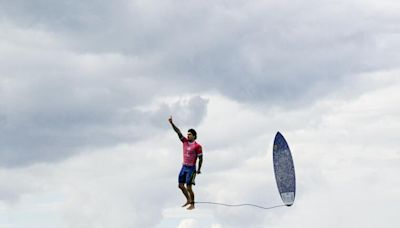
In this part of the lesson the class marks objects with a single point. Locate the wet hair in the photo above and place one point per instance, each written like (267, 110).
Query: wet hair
(194, 133)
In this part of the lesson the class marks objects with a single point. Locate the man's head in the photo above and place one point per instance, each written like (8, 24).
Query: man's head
(192, 134)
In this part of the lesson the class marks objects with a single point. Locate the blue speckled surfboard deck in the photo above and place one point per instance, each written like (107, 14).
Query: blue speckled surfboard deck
(284, 170)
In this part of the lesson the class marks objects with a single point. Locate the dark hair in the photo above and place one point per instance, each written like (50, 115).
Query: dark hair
(194, 133)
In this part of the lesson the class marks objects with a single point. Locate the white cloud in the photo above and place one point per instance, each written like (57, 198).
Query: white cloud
(188, 223)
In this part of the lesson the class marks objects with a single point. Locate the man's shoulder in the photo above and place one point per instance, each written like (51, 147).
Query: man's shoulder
(197, 144)
(183, 139)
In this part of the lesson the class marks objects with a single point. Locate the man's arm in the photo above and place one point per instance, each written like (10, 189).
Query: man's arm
(176, 129)
(200, 163)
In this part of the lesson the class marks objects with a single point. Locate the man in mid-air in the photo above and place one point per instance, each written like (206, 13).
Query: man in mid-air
(191, 150)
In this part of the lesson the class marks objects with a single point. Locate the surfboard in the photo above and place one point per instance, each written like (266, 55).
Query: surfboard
(284, 170)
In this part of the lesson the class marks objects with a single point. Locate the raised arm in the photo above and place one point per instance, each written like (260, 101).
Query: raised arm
(176, 129)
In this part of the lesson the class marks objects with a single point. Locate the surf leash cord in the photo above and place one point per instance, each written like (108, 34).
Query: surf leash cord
(240, 205)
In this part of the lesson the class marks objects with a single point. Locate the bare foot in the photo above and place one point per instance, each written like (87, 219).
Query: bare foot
(191, 207)
(187, 203)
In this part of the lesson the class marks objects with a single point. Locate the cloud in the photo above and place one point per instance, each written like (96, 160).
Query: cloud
(109, 188)
(86, 90)
(114, 187)
(343, 163)
(63, 129)
(53, 107)
(188, 223)
(47, 115)
(250, 51)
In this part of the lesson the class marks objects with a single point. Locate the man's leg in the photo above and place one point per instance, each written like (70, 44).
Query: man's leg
(185, 192)
(191, 196)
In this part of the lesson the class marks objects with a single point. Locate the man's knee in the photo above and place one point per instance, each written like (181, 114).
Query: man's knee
(189, 187)
(181, 186)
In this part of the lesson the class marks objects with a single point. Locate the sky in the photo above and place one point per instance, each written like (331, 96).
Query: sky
(86, 89)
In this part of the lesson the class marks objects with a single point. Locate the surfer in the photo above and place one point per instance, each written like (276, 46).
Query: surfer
(191, 150)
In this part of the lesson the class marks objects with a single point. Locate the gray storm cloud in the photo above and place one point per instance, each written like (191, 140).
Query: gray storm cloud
(50, 119)
(249, 51)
